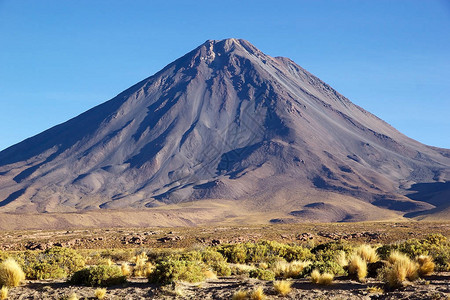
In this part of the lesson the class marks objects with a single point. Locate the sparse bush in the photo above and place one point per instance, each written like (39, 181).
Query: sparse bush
(240, 295)
(101, 275)
(282, 287)
(367, 253)
(175, 268)
(257, 294)
(100, 293)
(262, 274)
(11, 273)
(426, 265)
(357, 267)
(322, 279)
(3, 293)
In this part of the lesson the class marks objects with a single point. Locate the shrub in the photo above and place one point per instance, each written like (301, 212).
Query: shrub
(282, 287)
(257, 294)
(262, 274)
(175, 268)
(263, 251)
(426, 265)
(322, 279)
(101, 275)
(367, 253)
(11, 273)
(56, 262)
(216, 261)
(240, 295)
(100, 293)
(329, 266)
(3, 293)
(357, 267)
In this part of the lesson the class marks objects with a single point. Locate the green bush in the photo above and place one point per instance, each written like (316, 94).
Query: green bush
(435, 245)
(216, 261)
(262, 274)
(263, 251)
(98, 276)
(55, 262)
(176, 268)
(328, 266)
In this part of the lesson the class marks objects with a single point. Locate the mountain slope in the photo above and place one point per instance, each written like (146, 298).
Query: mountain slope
(225, 121)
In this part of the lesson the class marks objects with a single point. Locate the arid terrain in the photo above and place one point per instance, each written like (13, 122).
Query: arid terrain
(119, 242)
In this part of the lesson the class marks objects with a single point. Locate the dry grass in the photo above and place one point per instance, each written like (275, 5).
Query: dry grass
(72, 296)
(341, 258)
(426, 265)
(374, 290)
(210, 274)
(11, 273)
(142, 267)
(100, 293)
(240, 295)
(3, 293)
(400, 269)
(367, 253)
(282, 287)
(357, 266)
(322, 279)
(126, 269)
(257, 294)
(289, 270)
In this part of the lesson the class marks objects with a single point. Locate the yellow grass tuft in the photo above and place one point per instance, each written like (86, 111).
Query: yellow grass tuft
(426, 265)
(357, 267)
(11, 273)
(72, 296)
(400, 268)
(100, 293)
(240, 295)
(126, 269)
(282, 287)
(210, 274)
(375, 290)
(289, 270)
(367, 253)
(322, 279)
(341, 258)
(3, 293)
(257, 294)
(315, 276)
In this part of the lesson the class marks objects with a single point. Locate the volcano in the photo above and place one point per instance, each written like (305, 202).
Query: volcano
(232, 126)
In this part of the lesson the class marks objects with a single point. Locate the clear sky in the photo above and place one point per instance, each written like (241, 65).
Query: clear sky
(59, 58)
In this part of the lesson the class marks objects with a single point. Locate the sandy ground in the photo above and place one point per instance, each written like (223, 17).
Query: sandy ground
(434, 287)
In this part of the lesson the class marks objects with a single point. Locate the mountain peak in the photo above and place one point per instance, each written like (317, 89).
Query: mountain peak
(225, 121)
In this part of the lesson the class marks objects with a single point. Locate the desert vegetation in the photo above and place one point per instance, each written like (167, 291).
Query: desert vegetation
(274, 269)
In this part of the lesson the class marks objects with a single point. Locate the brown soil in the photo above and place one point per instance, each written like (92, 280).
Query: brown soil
(434, 287)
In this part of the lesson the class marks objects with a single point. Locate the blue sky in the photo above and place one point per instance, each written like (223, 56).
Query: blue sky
(60, 58)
